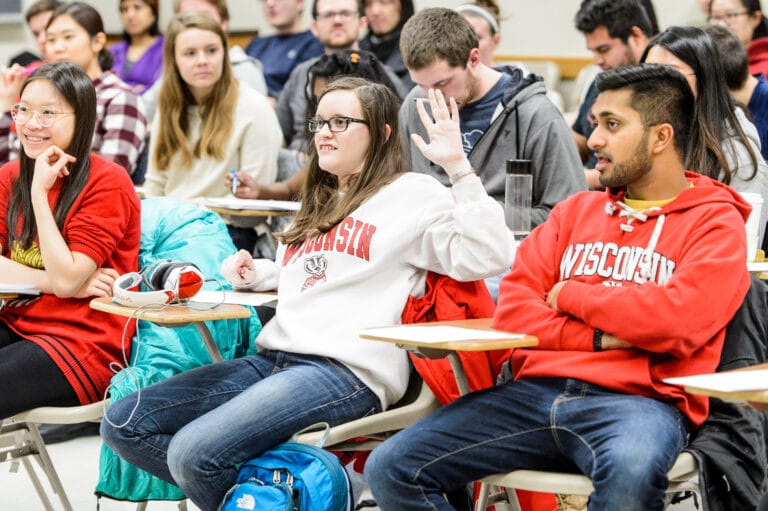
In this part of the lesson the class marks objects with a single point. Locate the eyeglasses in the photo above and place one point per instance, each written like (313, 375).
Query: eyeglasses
(45, 118)
(728, 18)
(335, 124)
(329, 15)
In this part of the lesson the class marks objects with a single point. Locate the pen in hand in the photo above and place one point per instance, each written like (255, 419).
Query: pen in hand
(233, 174)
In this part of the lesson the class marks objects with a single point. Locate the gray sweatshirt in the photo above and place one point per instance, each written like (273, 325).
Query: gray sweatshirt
(544, 137)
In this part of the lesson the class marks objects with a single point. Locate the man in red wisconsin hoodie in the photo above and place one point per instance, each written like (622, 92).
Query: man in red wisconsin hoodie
(623, 288)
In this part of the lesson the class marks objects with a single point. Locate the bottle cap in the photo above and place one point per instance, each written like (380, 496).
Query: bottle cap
(518, 166)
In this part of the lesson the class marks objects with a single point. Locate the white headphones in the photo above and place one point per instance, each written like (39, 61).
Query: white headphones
(168, 281)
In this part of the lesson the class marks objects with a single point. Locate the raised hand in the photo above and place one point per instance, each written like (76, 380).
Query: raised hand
(11, 79)
(444, 147)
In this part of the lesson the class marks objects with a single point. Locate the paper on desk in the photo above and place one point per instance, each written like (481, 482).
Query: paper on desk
(435, 333)
(21, 289)
(756, 267)
(251, 204)
(238, 297)
(731, 381)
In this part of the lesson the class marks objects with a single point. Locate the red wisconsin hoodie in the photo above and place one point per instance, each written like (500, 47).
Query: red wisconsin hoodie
(668, 280)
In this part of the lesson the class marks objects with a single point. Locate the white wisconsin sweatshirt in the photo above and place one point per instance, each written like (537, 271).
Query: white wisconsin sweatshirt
(359, 274)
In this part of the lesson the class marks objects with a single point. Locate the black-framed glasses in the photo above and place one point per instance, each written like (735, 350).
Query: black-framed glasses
(343, 14)
(728, 17)
(335, 124)
(46, 118)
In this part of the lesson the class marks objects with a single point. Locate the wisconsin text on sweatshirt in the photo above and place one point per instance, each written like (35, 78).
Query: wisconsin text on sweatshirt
(614, 262)
(350, 236)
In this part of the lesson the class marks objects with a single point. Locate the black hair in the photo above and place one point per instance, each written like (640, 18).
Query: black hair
(154, 28)
(76, 88)
(360, 63)
(617, 16)
(660, 94)
(714, 111)
(89, 18)
(733, 55)
(406, 11)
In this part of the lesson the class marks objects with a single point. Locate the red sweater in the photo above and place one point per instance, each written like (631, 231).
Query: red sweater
(757, 54)
(103, 224)
(676, 318)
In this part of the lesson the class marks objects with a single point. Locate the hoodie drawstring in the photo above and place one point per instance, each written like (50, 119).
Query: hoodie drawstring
(631, 215)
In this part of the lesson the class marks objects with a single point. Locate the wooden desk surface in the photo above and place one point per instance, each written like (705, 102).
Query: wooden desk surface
(249, 212)
(757, 396)
(172, 314)
(462, 345)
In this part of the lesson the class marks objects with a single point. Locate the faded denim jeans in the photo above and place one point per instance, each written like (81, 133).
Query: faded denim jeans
(626, 443)
(192, 429)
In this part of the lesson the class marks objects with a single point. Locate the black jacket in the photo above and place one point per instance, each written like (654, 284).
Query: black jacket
(730, 446)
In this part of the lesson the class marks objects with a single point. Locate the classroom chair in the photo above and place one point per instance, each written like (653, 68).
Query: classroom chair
(20, 440)
(683, 477)
(367, 432)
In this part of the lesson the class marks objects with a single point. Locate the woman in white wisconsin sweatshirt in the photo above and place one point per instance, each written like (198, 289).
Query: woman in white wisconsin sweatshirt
(363, 240)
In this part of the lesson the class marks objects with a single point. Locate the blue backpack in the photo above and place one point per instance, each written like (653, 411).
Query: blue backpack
(291, 477)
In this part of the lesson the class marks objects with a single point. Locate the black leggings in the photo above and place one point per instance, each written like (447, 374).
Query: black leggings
(28, 376)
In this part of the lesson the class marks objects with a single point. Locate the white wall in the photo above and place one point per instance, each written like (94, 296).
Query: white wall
(540, 27)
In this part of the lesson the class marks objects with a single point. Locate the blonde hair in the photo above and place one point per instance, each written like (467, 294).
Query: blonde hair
(322, 207)
(218, 110)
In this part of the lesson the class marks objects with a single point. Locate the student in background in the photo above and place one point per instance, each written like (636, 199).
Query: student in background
(749, 91)
(337, 24)
(744, 18)
(206, 123)
(724, 144)
(441, 50)
(504, 114)
(385, 22)
(138, 57)
(37, 16)
(75, 34)
(194, 428)
(483, 15)
(247, 70)
(291, 45)
(69, 225)
(328, 67)
(590, 398)
(616, 32)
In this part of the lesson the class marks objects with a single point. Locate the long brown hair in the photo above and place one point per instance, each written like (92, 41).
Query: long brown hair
(76, 88)
(218, 110)
(322, 207)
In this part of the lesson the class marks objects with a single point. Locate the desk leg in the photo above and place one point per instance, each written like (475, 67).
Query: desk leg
(210, 344)
(458, 373)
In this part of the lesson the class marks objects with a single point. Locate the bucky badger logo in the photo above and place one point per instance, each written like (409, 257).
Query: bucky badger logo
(314, 265)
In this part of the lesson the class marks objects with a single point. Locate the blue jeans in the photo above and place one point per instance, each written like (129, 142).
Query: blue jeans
(191, 429)
(492, 283)
(626, 443)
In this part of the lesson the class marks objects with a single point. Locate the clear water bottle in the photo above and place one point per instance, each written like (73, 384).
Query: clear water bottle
(517, 198)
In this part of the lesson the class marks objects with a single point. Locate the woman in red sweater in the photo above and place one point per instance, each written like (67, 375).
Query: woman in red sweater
(69, 224)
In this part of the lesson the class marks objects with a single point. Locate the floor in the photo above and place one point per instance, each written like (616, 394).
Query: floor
(77, 462)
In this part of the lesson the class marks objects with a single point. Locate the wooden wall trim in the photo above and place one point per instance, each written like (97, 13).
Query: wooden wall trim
(569, 66)
(240, 38)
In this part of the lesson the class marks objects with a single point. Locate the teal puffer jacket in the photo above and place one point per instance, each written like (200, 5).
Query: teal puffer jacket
(180, 231)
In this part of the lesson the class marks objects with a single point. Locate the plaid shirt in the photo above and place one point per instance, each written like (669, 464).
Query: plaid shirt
(121, 126)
